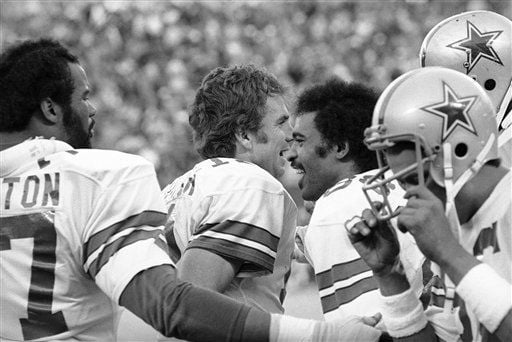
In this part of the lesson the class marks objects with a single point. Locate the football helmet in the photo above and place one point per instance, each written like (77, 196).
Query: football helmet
(479, 44)
(449, 118)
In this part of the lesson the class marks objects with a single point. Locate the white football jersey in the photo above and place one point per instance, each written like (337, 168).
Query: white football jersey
(76, 227)
(487, 236)
(345, 283)
(236, 209)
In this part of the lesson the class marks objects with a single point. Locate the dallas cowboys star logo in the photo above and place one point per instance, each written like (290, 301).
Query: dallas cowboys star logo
(454, 111)
(477, 45)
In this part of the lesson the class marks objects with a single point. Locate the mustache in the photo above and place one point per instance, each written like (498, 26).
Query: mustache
(296, 166)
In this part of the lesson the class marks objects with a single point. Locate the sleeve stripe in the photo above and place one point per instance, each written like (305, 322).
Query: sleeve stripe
(437, 291)
(341, 272)
(348, 294)
(249, 268)
(343, 284)
(162, 243)
(145, 218)
(172, 244)
(111, 249)
(243, 230)
(234, 250)
(437, 300)
(238, 240)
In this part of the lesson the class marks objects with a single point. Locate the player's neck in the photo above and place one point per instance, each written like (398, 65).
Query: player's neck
(8, 140)
(346, 170)
(477, 190)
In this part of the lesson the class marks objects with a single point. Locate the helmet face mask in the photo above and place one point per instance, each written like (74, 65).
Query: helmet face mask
(476, 43)
(445, 117)
(379, 183)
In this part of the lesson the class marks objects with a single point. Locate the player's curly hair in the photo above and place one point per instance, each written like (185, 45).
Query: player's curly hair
(31, 71)
(228, 101)
(343, 111)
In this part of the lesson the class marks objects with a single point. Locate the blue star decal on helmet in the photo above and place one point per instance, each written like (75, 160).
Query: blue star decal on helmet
(454, 111)
(477, 45)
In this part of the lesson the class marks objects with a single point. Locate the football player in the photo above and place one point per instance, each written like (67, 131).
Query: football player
(231, 221)
(479, 44)
(82, 230)
(329, 153)
(435, 129)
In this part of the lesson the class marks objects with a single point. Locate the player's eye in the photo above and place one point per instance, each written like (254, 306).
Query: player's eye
(298, 141)
(282, 120)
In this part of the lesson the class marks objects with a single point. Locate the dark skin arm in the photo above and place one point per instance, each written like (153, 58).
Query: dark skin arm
(178, 309)
(207, 269)
(378, 245)
(425, 219)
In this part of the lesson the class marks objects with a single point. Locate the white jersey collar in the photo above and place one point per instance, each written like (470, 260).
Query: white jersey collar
(29, 150)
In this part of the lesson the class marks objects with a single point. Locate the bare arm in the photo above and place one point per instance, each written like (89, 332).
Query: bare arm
(178, 309)
(207, 269)
(457, 263)
(181, 310)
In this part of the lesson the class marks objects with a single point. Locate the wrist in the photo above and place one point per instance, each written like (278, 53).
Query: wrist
(403, 314)
(486, 294)
(456, 262)
(292, 329)
(392, 280)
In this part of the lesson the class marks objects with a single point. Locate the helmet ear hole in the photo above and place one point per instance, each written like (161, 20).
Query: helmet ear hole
(461, 150)
(490, 84)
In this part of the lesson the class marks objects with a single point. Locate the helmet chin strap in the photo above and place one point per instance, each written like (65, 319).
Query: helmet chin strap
(452, 189)
(502, 112)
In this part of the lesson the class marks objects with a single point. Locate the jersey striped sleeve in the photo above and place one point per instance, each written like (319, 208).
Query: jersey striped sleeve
(239, 240)
(125, 231)
(343, 283)
(104, 244)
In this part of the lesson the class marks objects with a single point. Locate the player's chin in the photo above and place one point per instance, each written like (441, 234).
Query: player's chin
(307, 195)
(308, 192)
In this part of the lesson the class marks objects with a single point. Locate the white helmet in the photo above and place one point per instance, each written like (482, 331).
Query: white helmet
(479, 44)
(448, 117)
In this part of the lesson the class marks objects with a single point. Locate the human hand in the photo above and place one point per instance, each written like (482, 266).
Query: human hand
(372, 320)
(424, 217)
(355, 328)
(376, 243)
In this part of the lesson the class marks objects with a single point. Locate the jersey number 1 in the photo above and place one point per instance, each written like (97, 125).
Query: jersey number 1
(40, 321)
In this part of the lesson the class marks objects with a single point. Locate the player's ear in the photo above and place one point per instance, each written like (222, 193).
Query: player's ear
(244, 139)
(50, 110)
(342, 150)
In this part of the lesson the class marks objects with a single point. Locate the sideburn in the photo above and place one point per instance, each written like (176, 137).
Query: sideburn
(261, 137)
(78, 136)
(321, 151)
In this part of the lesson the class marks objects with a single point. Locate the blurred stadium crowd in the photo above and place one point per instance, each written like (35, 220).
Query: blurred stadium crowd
(146, 58)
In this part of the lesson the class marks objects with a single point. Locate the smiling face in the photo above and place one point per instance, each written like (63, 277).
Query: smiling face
(311, 157)
(270, 142)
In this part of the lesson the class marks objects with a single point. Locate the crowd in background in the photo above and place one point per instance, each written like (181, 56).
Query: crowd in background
(145, 59)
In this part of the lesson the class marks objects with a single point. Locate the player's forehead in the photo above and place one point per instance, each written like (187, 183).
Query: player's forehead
(303, 124)
(276, 108)
(79, 77)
